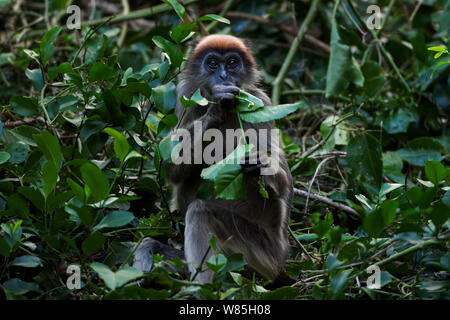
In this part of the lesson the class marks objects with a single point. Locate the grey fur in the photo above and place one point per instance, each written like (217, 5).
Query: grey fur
(257, 226)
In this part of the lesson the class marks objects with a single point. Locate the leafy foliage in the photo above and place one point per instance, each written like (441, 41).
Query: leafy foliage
(84, 128)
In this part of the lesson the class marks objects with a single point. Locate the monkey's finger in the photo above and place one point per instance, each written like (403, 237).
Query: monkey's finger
(254, 169)
(226, 89)
(224, 96)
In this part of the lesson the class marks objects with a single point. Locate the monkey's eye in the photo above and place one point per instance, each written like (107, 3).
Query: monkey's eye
(212, 63)
(232, 62)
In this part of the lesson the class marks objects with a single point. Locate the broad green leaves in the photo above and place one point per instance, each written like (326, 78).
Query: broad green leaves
(439, 52)
(49, 146)
(269, 113)
(24, 106)
(229, 181)
(174, 53)
(195, 99)
(96, 183)
(342, 67)
(115, 219)
(364, 158)
(121, 146)
(251, 109)
(116, 279)
(46, 45)
(100, 71)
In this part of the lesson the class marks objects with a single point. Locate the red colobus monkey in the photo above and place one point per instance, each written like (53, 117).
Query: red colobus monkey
(221, 65)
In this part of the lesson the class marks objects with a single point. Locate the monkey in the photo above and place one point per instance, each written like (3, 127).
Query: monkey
(220, 66)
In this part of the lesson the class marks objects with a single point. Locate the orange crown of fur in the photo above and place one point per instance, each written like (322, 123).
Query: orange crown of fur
(221, 42)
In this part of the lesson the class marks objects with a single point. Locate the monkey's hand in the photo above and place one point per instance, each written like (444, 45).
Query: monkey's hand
(224, 94)
(253, 163)
(224, 100)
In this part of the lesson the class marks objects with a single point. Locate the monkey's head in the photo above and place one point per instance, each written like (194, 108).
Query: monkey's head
(221, 60)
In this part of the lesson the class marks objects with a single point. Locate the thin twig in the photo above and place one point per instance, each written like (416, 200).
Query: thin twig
(328, 201)
(292, 52)
(300, 244)
(314, 178)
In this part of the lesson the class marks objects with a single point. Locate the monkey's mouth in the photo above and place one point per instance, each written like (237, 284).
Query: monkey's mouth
(228, 83)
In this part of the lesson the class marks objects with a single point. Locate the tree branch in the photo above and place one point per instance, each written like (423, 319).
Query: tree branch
(328, 201)
(292, 51)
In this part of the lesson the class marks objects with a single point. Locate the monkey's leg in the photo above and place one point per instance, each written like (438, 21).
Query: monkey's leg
(143, 258)
(196, 240)
(265, 251)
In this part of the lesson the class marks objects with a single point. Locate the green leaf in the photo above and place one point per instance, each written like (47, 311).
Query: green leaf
(165, 97)
(440, 214)
(283, 293)
(340, 135)
(4, 156)
(437, 49)
(338, 282)
(229, 183)
(96, 182)
(76, 189)
(342, 67)
(216, 262)
(435, 171)
(35, 77)
(181, 32)
(446, 198)
(114, 280)
(437, 66)
(248, 102)
(46, 45)
(19, 287)
(49, 146)
(18, 152)
(121, 146)
(211, 172)
(374, 78)
(420, 150)
(93, 243)
(305, 167)
(24, 106)
(174, 53)
(127, 274)
(100, 71)
(27, 261)
(49, 177)
(399, 121)
(195, 99)
(387, 188)
(25, 134)
(212, 17)
(373, 223)
(333, 262)
(179, 9)
(364, 158)
(115, 219)
(269, 113)
(388, 211)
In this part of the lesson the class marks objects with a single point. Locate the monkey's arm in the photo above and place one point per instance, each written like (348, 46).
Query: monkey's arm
(217, 113)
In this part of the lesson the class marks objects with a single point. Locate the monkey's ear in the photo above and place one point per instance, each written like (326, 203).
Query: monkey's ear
(193, 44)
(248, 43)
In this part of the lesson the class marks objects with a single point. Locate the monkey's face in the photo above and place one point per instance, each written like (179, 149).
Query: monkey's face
(223, 69)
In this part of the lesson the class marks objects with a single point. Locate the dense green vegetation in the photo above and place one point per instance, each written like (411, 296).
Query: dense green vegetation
(84, 114)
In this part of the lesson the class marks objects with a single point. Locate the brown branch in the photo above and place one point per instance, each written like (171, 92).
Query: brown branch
(308, 38)
(13, 124)
(328, 201)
